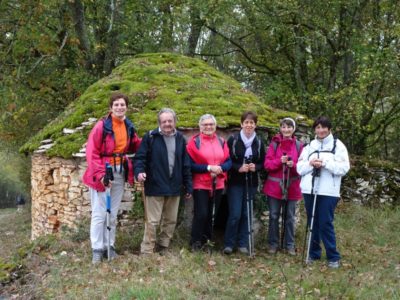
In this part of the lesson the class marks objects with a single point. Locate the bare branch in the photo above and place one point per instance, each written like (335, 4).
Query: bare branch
(37, 63)
(243, 51)
(63, 43)
(112, 6)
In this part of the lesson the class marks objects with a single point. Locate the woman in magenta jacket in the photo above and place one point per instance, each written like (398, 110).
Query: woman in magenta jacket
(280, 163)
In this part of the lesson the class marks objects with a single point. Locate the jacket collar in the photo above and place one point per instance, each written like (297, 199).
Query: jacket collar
(325, 143)
(108, 124)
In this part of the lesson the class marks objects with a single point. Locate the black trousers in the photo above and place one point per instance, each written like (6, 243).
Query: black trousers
(202, 216)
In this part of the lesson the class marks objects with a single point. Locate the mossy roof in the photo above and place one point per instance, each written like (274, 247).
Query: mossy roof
(153, 81)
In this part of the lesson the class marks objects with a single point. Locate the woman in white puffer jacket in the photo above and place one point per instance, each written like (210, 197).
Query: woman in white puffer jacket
(321, 166)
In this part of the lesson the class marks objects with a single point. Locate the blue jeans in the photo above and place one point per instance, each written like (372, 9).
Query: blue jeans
(323, 226)
(275, 209)
(237, 224)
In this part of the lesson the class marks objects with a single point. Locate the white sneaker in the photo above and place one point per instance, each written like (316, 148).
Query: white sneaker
(334, 264)
(243, 250)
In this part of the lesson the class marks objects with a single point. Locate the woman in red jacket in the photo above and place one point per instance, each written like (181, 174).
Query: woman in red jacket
(210, 161)
(282, 185)
(110, 140)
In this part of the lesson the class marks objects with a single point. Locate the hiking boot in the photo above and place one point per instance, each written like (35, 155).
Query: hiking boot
(272, 250)
(97, 256)
(162, 250)
(310, 261)
(333, 264)
(197, 246)
(243, 250)
(227, 250)
(291, 251)
(113, 254)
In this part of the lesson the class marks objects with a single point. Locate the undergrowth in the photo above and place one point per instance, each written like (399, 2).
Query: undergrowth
(60, 266)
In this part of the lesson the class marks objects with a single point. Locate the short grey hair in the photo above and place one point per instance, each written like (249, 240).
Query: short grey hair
(166, 110)
(207, 116)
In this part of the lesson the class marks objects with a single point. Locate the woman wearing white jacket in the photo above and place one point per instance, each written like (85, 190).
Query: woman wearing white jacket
(321, 166)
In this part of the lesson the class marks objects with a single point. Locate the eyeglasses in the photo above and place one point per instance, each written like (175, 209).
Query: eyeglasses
(207, 124)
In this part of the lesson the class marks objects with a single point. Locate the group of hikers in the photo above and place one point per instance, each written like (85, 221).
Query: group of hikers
(205, 167)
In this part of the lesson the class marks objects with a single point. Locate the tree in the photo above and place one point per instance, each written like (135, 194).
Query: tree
(337, 58)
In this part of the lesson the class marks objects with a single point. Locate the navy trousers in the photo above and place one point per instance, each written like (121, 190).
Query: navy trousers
(323, 228)
(237, 230)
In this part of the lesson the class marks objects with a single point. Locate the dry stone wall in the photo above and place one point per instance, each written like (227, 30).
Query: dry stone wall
(60, 198)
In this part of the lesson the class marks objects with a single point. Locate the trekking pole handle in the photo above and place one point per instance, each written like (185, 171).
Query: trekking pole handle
(109, 176)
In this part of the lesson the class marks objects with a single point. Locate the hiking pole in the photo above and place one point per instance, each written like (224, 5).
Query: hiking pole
(249, 213)
(284, 186)
(107, 178)
(316, 173)
(214, 187)
(252, 253)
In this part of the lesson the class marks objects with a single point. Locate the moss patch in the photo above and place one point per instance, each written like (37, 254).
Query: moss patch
(153, 81)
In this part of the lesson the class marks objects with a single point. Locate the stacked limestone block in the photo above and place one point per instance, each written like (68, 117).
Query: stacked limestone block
(60, 198)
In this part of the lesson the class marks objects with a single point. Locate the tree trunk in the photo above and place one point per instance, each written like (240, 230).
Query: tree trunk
(196, 24)
(300, 64)
(112, 40)
(78, 15)
(167, 41)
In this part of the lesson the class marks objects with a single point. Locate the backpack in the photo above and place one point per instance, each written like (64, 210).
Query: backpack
(333, 150)
(263, 172)
(197, 142)
(235, 140)
(131, 134)
(298, 145)
(150, 143)
(104, 134)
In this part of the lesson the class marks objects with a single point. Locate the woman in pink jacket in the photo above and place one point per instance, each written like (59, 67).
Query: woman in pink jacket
(210, 160)
(282, 186)
(110, 141)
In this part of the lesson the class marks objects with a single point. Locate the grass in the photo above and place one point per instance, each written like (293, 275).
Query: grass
(59, 267)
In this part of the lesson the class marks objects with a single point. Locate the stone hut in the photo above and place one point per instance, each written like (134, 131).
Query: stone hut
(152, 81)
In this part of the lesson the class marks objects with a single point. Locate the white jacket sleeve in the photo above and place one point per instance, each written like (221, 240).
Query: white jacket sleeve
(303, 165)
(339, 163)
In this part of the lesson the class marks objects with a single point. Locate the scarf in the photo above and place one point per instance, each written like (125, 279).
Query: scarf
(247, 143)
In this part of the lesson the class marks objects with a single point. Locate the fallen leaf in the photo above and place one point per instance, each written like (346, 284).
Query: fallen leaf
(211, 263)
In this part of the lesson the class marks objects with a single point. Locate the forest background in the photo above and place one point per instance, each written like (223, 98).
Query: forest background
(338, 58)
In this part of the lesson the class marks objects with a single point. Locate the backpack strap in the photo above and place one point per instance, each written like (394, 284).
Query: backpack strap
(275, 145)
(197, 141)
(150, 142)
(298, 145)
(333, 150)
(221, 141)
(235, 139)
(334, 145)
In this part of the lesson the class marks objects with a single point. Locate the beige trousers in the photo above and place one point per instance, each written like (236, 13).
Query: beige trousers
(159, 209)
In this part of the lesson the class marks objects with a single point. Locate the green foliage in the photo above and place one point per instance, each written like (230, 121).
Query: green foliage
(152, 81)
(320, 58)
(79, 233)
(337, 58)
(6, 268)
